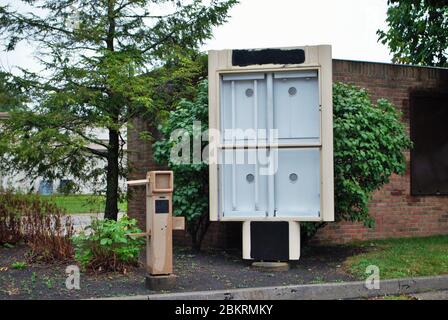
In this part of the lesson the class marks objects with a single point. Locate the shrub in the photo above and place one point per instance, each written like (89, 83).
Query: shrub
(369, 141)
(10, 218)
(106, 246)
(190, 198)
(48, 232)
(40, 224)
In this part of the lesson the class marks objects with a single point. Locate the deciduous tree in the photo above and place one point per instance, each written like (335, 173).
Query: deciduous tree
(97, 59)
(417, 32)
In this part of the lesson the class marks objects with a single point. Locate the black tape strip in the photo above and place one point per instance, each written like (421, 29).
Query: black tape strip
(244, 58)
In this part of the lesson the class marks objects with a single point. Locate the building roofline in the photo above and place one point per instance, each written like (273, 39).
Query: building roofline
(392, 64)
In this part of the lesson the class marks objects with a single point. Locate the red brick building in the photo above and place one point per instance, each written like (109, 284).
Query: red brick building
(397, 212)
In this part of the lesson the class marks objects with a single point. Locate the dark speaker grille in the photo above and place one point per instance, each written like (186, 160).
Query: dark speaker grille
(269, 241)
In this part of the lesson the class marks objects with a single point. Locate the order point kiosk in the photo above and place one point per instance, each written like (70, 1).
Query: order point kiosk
(271, 165)
(160, 224)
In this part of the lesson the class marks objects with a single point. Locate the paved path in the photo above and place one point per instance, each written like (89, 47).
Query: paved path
(433, 295)
(429, 288)
(80, 221)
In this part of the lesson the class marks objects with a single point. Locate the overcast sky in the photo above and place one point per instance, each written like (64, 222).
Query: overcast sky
(348, 25)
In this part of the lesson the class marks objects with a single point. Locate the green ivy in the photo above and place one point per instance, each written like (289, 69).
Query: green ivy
(190, 198)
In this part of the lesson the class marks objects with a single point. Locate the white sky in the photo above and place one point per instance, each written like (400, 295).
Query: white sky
(348, 25)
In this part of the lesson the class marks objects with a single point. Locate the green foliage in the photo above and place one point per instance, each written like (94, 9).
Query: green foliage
(97, 73)
(308, 230)
(11, 96)
(19, 265)
(369, 141)
(190, 180)
(68, 188)
(105, 245)
(177, 80)
(417, 32)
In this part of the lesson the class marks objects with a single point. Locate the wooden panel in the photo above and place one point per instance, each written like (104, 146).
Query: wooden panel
(161, 181)
(178, 223)
(4, 115)
(134, 183)
(141, 234)
(161, 242)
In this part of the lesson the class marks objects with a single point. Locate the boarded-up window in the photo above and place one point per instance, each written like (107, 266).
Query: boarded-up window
(429, 132)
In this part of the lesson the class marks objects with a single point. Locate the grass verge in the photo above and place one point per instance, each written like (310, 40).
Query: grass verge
(82, 203)
(404, 257)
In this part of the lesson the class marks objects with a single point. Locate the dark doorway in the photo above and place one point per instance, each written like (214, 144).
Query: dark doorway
(429, 132)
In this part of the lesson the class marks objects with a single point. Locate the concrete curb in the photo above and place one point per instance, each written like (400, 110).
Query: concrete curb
(327, 291)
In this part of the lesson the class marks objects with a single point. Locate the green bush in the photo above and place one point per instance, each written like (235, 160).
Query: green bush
(106, 246)
(369, 141)
(190, 198)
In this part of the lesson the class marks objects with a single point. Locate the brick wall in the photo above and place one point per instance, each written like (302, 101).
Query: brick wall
(140, 162)
(396, 212)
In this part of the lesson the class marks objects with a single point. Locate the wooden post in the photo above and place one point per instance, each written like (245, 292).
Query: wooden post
(159, 228)
(159, 202)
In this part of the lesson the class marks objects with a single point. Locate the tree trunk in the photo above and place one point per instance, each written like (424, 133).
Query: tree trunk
(111, 211)
(198, 232)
